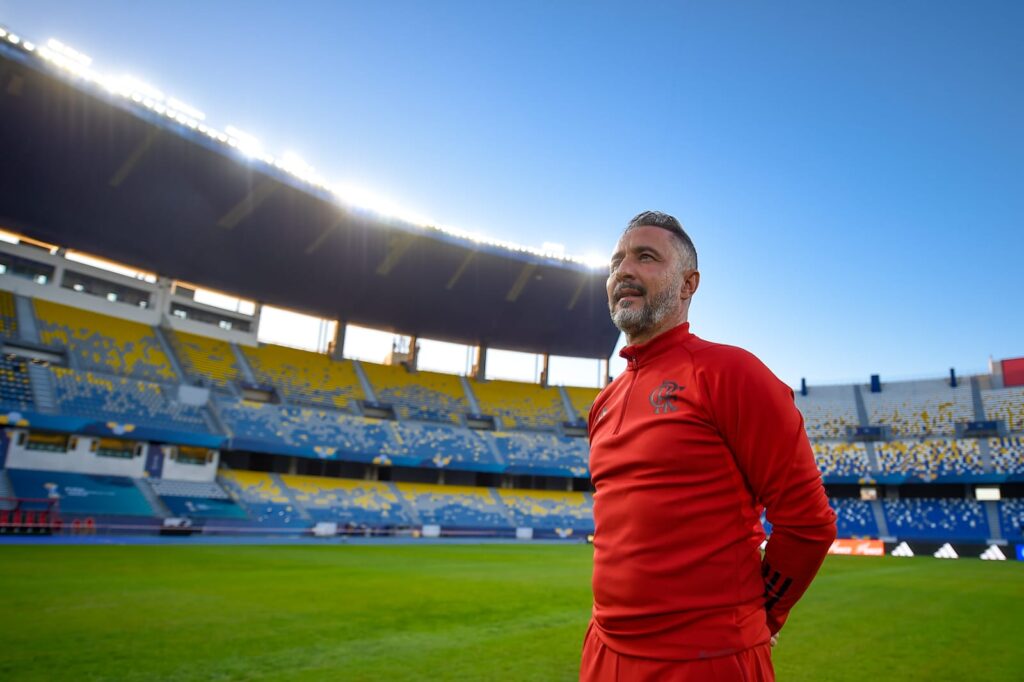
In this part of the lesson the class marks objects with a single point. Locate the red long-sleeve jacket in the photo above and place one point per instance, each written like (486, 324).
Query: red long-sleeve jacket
(687, 447)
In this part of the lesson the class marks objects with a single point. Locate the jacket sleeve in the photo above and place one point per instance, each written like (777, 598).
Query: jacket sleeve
(758, 418)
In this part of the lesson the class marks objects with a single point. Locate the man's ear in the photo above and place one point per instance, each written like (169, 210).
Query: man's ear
(691, 280)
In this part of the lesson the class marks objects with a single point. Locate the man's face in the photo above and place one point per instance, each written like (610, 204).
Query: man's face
(645, 283)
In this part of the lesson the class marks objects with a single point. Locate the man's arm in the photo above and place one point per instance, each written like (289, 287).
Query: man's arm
(765, 431)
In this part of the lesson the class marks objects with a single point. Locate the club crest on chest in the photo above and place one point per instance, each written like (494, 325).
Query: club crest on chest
(663, 397)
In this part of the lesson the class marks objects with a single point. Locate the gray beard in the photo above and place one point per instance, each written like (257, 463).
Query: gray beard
(635, 320)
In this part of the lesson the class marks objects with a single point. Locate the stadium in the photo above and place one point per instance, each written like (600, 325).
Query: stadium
(222, 480)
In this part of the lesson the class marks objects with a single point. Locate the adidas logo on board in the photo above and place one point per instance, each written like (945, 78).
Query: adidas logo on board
(902, 550)
(993, 553)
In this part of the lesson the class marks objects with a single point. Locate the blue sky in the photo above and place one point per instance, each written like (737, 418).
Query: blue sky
(852, 173)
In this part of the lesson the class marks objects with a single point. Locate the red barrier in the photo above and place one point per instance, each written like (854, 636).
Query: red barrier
(1013, 372)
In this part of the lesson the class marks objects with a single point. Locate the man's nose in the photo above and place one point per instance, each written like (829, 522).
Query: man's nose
(625, 270)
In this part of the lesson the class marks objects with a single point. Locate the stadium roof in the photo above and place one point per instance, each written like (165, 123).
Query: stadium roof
(104, 168)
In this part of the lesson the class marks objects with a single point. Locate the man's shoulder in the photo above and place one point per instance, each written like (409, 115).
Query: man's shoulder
(710, 355)
(720, 362)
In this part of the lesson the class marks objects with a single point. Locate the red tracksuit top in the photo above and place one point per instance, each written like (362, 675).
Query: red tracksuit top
(687, 446)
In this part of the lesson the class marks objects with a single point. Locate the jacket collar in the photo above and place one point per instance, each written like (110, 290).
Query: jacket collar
(643, 353)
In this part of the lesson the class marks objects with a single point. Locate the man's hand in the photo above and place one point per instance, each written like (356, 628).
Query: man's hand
(774, 640)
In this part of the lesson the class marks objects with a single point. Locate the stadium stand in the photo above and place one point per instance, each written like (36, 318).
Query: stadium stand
(854, 518)
(828, 411)
(15, 387)
(1006, 404)
(347, 502)
(442, 445)
(8, 316)
(82, 493)
(196, 499)
(1007, 454)
(124, 400)
(209, 361)
(260, 494)
(104, 344)
(542, 452)
(920, 408)
(1011, 518)
(308, 428)
(937, 519)
(841, 459)
(549, 509)
(582, 399)
(931, 458)
(420, 395)
(317, 421)
(306, 378)
(518, 405)
(455, 506)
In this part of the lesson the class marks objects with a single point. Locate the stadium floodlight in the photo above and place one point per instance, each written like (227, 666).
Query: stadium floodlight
(295, 164)
(68, 52)
(244, 142)
(13, 38)
(3, 33)
(360, 197)
(130, 84)
(186, 109)
(31, 47)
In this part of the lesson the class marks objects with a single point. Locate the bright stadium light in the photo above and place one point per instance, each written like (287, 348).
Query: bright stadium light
(296, 165)
(148, 96)
(246, 143)
(186, 109)
(130, 84)
(360, 197)
(68, 52)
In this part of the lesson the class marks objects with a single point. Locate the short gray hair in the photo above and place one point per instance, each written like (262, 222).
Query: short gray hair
(687, 251)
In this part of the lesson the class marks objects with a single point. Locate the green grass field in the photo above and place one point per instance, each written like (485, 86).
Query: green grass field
(485, 612)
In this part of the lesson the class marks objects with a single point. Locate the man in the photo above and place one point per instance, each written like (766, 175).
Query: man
(687, 446)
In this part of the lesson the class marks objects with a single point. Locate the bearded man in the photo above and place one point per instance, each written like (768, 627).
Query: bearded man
(687, 447)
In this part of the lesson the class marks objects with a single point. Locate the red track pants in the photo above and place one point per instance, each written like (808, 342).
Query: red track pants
(601, 664)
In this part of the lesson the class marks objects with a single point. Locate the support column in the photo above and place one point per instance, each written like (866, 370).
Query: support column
(480, 368)
(338, 349)
(545, 369)
(162, 302)
(255, 322)
(414, 353)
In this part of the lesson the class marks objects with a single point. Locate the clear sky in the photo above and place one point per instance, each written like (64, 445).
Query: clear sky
(852, 173)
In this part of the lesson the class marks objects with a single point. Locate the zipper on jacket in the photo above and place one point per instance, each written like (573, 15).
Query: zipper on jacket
(634, 366)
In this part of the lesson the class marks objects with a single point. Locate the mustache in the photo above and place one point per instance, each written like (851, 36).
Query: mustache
(628, 286)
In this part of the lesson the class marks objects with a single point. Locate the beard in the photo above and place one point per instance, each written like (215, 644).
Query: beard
(636, 319)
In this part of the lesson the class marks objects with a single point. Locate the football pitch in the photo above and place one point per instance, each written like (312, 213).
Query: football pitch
(453, 612)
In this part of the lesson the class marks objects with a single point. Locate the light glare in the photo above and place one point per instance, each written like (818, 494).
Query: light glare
(152, 98)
